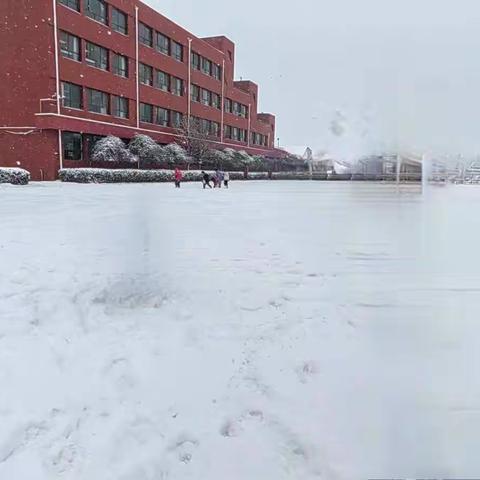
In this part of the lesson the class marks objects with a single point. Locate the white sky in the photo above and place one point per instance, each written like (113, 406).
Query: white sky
(403, 72)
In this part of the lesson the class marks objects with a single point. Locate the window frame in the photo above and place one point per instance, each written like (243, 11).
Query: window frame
(164, 87)
(142, 28)
(178, 116)
(116, 70)
(196, 61)
(69, 3)
(143, 67)
(74, 137)
(119, 112)
(142, 111)
(164, 50)
(70, 54)
(69, 96)
(176, 86)
(165, 120)
(93, 15)
(105, 103)
(174, 52)
(115, 25)
(101, 50)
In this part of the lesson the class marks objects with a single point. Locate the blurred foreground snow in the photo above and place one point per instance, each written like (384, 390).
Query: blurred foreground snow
(278, 330)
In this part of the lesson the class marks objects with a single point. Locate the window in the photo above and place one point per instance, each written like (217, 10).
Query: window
(163, 81)
(74, 4)
(146, 113)
(216, 101)
(206, 66)
(228, 105)
(206, 97)
(120, 106)
(120, 65)
(216, 72)
(227, 131)
(97, 56)
(242, 136)
(176, 119)
(163, 44)
(119, 21)
(145, 35)
(235, 108)
(72, 146)
(70, 46)
(72, 95)
(195, 93)
(162, 117)
(195, 61)
(205, 126)
(146, 74)
(177, 86)
(98, 102)
(214, 129)
(96, 9)
(177, 51)
(243, 111)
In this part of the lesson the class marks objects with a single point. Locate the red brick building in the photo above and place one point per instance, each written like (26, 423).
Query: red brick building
(75, 70)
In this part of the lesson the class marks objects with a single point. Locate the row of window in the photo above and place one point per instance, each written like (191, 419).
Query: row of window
(100, 11)
(161, 80)
(236, 108)
(163, 44)
(160, 116)
(205, 97)
(95, 55)
(97, 101)
(206, 66)
(208, 127)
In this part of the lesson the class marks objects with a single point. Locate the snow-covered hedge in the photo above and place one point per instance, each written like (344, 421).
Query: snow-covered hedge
(15, 176)
(258, 176)
(106, 175)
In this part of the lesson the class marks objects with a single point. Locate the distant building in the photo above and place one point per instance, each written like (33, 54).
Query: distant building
(76, 70)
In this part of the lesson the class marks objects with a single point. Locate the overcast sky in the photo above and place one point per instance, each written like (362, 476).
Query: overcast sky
(350, 76)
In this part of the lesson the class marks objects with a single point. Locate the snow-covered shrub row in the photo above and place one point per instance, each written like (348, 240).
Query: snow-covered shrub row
(145, 152)
(258, 176)
(15, 176)
(106, 175)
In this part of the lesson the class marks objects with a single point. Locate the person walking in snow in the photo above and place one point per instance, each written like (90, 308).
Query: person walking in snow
(206, 180)
(178, 177)
(226, 179)
(218, 178)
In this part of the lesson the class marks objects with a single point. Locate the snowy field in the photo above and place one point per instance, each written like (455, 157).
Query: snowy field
(278, 330)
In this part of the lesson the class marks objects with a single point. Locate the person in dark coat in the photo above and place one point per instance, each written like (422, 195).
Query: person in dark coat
(206, 180)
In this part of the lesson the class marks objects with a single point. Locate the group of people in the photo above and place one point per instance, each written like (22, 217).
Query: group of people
(217, 179)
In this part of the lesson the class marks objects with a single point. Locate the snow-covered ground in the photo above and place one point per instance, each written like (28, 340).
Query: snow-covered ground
(278, 330)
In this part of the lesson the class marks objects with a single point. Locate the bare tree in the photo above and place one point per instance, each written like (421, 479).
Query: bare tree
(194, 139)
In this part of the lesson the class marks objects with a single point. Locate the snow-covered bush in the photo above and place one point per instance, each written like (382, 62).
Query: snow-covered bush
(145, 149)
(111, 149)
(258, 176)
(105, 175)
(15, 176)
(174, 154)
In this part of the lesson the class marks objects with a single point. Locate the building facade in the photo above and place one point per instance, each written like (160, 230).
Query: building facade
(76, 70)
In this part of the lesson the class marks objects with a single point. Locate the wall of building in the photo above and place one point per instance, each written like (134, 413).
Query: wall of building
(29, 76)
